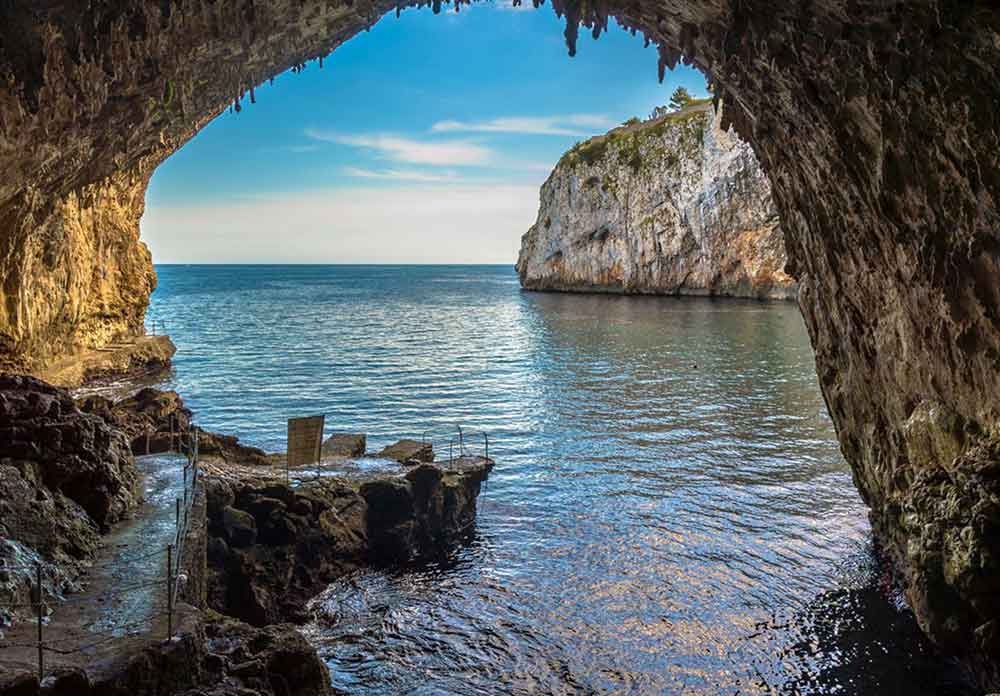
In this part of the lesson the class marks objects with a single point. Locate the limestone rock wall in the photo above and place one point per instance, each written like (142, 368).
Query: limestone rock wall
(74, 273)
(675, 205)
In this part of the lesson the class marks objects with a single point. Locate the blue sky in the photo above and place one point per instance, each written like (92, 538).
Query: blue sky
(424, 140)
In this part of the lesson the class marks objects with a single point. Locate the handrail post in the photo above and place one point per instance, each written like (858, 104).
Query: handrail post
(177, 518)
(170, 592)
(41, 645)
(487, 438)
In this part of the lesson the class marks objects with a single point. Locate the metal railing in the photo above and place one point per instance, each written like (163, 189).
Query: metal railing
(461, 441)
(173, 554)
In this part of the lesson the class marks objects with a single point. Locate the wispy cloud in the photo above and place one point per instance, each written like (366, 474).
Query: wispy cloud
(411, 175)
(411, 151)
(416, 224)
(569, 124)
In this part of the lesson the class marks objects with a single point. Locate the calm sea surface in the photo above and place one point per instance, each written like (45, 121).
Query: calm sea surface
(669, 512)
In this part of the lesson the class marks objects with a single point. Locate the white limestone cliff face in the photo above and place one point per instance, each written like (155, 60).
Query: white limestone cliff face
(674, 205)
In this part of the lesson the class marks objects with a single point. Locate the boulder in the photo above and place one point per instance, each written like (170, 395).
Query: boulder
(313, 533)
(406, 450)
(241, 529)
(345, 445)
(56, 446)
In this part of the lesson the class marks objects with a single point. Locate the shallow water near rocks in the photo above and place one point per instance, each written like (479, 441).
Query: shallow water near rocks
(669, 513)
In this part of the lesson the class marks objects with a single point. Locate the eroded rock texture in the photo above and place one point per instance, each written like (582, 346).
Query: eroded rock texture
(273, 547)
(675, 205)
(65, 476)
(877, 122)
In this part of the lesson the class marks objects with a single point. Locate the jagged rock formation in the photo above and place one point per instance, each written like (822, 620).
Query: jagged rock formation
(674, 205)
(65, 476)
(216, 657)
(876, 123)
(152, 420)
(273, 547)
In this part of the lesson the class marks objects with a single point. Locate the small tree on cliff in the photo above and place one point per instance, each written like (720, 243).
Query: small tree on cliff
(680, 98)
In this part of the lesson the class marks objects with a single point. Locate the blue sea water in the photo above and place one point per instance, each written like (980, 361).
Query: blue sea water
(669, 513)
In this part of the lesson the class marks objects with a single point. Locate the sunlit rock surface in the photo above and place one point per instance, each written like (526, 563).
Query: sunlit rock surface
(675, 205)
(876, 122)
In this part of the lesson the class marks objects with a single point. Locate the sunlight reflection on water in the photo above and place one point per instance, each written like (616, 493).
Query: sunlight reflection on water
(669, 513)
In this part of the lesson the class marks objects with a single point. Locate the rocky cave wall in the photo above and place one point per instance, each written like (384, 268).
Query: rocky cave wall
(877, 122)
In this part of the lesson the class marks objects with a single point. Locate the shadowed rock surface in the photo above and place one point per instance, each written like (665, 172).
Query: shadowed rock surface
(875, 121)
(156, 419)
(217, 656)
(674, 205)
(273, 547)
(65, 476)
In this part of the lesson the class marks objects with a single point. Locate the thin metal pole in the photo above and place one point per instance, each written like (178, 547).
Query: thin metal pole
(177, 518)
(41, 648)
(487, 438)
(170, 591)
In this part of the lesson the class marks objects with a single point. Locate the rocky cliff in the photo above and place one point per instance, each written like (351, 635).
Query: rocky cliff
(875, 121)
(75, 275)
(674, 205)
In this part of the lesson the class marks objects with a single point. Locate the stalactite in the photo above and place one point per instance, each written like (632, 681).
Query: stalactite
(253, 97)
(572, 25)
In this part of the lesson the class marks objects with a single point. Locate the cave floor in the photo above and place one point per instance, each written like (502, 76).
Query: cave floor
(123, 604)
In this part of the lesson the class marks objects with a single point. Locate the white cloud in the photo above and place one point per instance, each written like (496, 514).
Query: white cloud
(414, 175)
(448, 153)
(417, 224)
(569, 124)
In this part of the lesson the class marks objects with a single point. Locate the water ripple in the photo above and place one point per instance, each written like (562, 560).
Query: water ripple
(670, 513)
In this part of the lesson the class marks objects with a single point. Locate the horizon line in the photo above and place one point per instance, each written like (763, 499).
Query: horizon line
(332, 263)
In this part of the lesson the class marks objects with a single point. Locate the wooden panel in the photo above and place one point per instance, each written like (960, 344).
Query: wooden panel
(305, 438)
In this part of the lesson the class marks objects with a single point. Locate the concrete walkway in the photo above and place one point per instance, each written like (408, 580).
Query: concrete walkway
(124, 603)
(141, 354)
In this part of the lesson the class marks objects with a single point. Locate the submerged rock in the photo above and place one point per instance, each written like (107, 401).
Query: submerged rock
(674, 205)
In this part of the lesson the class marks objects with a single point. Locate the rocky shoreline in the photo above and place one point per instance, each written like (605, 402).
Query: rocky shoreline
(260, 546)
